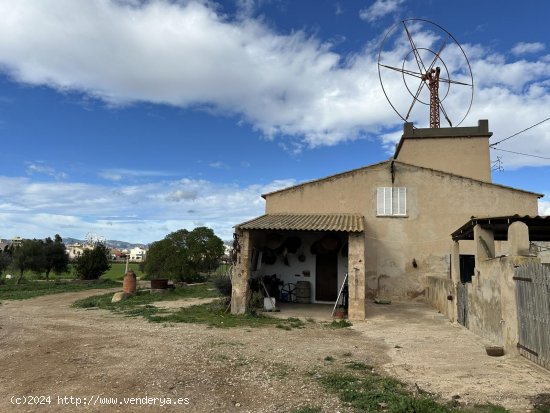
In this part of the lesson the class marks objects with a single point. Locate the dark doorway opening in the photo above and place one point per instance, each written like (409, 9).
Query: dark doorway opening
(326, 277)
(467, 265)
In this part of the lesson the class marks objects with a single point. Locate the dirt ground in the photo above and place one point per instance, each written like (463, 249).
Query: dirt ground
(48, 348)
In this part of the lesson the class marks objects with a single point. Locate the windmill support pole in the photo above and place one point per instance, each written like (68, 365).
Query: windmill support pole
(433, 83)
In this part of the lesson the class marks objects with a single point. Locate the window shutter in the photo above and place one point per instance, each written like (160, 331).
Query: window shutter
(395, 201)
(388, 201)
(380, 201)
(402, 197)
(391, 201)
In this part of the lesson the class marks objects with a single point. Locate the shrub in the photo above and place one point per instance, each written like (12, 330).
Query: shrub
(223, 285)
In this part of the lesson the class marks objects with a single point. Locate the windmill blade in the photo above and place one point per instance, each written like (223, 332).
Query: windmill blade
(438, 54)
(414, 49)
(444, 113)
(454, 82)
(405, 71)
(415, 98)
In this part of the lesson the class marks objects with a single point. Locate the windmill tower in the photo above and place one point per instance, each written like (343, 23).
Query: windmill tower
(413, 58)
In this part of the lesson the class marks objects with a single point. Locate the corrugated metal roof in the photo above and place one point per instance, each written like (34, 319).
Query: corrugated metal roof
(307, 222)
(539, 227)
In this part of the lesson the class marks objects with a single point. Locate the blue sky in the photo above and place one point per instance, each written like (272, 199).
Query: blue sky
(132, 119)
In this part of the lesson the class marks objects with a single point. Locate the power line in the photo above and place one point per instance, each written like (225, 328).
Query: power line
(521, 153)
(517, 133)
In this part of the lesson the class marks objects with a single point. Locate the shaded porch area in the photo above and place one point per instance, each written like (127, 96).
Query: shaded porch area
(315, 253)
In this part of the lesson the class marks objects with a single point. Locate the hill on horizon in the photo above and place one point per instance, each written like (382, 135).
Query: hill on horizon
(110, 243)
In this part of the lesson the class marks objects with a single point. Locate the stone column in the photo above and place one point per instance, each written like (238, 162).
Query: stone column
(455, 262)
(485, 244)
(455, 277)
(241, 274)
(356, 275)
(518, 238)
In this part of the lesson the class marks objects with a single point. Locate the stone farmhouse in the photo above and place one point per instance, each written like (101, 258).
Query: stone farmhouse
(387, 226)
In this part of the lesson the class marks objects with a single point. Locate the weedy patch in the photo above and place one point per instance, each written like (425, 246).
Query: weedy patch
(357, 365)
(541, 403)
(144, 297)
(368, 391)
(340, 324)
(213, 314)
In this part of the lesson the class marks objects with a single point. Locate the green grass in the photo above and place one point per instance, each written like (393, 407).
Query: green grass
(143, 297)
(117, 270)
(366, 391)
(30, 289)
(340, 324)
(213, 314)
(115, 273)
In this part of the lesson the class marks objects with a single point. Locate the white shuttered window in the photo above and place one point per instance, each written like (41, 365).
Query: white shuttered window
(391, 201)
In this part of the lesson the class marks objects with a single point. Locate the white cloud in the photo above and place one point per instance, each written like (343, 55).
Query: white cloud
(379, 8)
(140, 213)
(291, 87)
(525, 48)
(218, 165)
(43, 169)
(116, 174)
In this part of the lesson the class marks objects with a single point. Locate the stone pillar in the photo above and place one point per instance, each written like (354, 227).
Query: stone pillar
(356, 275)
(455, 277)
(485, 244)
(241, 274)
(518, 238)
(455, 262)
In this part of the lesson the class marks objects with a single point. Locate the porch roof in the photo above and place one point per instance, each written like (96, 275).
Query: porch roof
(307, 222)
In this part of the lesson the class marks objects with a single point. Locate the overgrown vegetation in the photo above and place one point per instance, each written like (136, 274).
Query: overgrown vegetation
(367, 391)
(30, 289)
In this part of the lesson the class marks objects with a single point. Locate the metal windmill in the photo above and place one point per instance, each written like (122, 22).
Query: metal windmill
(423, 65)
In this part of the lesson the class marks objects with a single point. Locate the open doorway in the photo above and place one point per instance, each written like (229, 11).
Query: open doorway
(326, 276)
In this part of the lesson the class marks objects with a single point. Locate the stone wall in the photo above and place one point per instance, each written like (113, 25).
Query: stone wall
(439, 290)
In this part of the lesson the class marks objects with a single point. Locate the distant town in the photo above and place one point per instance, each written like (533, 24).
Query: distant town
(119, 250)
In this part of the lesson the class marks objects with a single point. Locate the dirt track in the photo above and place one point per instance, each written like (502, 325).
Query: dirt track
(50, 349)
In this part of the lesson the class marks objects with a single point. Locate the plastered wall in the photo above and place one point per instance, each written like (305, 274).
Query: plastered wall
(437, 204)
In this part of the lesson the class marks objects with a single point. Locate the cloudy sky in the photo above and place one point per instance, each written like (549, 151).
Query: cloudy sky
(135, 118)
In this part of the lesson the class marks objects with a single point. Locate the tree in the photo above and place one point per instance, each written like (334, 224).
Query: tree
(93, 263)
(183, 255)
(5, 258)
(29, 256)
(56, 257)
(205, 249)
